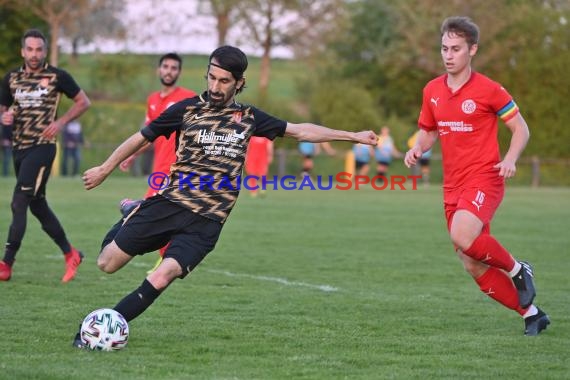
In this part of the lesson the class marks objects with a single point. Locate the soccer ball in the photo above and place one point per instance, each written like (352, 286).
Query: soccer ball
(104, 330)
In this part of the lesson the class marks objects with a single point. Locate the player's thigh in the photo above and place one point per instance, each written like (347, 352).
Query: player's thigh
(33, 168)
(465, 227)
(191, 245)
(150, 227)
(112, 258)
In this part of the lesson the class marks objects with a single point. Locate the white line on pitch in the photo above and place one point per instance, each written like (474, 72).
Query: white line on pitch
(282, 281)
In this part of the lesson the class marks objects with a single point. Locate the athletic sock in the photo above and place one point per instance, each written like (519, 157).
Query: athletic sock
(516, 269)
(498, 285)
(138, 301)
(50, 224)
(488, 250)
(10, 253)
(532, 310)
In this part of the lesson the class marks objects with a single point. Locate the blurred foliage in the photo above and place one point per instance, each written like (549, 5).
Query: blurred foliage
(391, 49)
(12, 27)
(363, 67)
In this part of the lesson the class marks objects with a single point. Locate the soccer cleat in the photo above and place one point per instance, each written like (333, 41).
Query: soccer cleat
(534, 324)
(5, 271)
(525, 286)
(72, 261)
(77, 342)
(127, 205)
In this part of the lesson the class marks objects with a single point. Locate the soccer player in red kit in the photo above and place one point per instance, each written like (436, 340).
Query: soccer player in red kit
(169, 69)
(257, 160)
(462, 108)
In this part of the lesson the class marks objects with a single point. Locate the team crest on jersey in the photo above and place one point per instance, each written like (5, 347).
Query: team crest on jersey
(236, 118)
(44, 82)
(468, 106)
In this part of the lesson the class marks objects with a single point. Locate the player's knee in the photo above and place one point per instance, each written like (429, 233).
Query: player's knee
(20, 202)
(473, 267)
(461, 240)
(104, 264)
(168, 271)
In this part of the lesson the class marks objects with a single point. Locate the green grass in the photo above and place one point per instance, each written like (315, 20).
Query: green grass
(403, 307)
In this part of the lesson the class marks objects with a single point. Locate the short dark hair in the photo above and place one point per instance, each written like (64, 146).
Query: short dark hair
(230, 59)
(463, 27)
(35, 33)
(172, 56)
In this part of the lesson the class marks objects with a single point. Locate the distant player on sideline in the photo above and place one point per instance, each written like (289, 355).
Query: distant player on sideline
(214, 133)
(462, 107)
(168, 71)
(29, 98)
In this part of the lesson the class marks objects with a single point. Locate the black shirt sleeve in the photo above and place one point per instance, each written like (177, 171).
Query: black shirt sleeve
(268, 126)
(169, 121)
(67, 85)
(6, 98)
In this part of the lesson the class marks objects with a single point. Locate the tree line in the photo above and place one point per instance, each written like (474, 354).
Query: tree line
(366, 60)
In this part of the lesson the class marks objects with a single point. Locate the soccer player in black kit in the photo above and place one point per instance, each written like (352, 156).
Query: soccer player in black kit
(213, 134)
(29, 98)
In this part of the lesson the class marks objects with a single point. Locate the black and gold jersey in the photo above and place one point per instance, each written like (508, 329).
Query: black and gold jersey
(212, 143)
(34, 98)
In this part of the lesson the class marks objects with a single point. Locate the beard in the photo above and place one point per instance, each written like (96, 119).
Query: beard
(167, 83)
(34, 65)
(217, 99)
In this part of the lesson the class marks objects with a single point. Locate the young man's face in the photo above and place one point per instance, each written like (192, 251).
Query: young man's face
(169, 71)
(222, 86)
(456, 53)
(34, 53)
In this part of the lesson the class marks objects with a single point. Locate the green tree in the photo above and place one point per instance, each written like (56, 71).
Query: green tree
(12, 25)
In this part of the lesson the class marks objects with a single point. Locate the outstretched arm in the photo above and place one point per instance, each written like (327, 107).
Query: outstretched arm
(94, 176)
(317, 133)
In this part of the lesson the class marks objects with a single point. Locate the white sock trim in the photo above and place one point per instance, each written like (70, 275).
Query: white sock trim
(532, 310)
(515, 269)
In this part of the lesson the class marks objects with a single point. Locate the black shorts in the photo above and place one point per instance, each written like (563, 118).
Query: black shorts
(159, 221)
(424, 161)
(32, 167)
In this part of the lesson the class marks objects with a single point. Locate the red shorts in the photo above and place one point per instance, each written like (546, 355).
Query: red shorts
(481, 201)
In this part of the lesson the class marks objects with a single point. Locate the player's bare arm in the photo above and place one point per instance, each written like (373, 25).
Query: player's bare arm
(7, 116)
(317, 133)
(80, 104)
(94, 176)
(520, 135)
(126, 164)
(424, 143)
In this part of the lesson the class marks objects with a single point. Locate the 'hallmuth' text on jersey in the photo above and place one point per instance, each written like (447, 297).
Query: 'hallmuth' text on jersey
(212, 143)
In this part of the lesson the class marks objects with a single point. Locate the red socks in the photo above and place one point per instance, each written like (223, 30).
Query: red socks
(489, 251)
(498, 285)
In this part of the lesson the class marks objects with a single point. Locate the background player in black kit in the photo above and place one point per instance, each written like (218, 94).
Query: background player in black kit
(214, 131)
(29, 97)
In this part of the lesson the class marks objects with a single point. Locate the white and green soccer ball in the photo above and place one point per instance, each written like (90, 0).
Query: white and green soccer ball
(104, 330)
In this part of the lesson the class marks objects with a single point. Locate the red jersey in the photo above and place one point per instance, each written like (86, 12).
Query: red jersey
(257, 156)
(467, 124)
(164, 149)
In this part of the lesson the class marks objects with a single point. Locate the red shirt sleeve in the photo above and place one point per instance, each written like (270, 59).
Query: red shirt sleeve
(426, 119)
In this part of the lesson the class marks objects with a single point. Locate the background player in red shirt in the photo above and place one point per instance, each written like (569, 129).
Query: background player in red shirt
(257, 160)
(169, 69)
(462, 108)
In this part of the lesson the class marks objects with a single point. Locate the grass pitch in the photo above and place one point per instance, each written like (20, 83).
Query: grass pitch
(302, 285)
